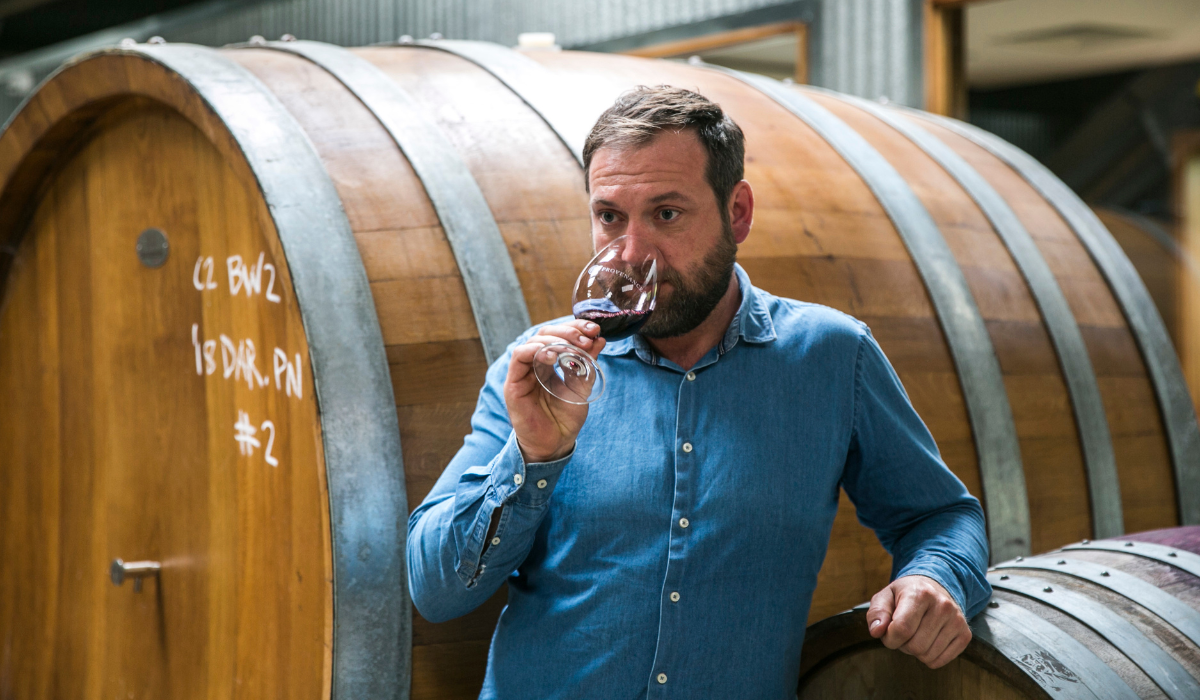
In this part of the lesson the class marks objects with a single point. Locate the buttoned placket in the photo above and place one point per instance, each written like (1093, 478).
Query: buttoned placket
(688, 451)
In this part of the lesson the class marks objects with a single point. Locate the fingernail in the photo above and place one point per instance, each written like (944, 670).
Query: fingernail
(876, 624)
(584, 339)
(592, 326)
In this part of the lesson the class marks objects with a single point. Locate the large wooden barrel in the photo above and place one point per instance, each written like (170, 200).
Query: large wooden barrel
(249, 296)
(1116, 618)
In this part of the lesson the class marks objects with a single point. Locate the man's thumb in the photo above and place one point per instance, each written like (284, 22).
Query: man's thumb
(879, 615)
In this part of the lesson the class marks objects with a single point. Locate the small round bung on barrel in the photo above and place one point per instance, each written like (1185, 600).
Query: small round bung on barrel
(350, 235)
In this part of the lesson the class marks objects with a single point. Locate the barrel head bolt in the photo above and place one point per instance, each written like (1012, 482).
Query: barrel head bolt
(152, 247)
(257, 40)
(128, 43)
(1020, 559)
(1172, 554)
(117, 572)
(156, 40)
(695, 61)
(1047, 589)
(288, 37)
(406, 39)
(1087, 542)
(1128, 544)
(1061, 562)
(436, 36)
(1105, 573)
(1004, 577)
(993, 604)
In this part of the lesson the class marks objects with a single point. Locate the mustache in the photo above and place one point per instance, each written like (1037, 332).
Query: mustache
(670, 274)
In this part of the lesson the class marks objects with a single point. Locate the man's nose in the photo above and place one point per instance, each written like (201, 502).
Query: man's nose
(638, 243)
(637, 250)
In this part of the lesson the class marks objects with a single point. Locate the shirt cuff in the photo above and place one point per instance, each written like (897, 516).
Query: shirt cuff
(514, 481)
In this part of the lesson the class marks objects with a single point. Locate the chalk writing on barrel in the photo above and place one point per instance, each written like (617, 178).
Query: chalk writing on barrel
(241, 277)
(239, 362)
(245, 435)
(248, 278)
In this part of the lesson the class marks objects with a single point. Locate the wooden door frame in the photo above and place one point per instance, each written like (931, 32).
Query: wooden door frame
(945, 58)
(1185, 196)
(732, 37)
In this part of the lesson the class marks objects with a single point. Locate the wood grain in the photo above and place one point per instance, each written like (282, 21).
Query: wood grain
(136, 456)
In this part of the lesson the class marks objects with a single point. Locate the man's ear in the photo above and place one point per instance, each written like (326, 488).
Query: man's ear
(741, 211)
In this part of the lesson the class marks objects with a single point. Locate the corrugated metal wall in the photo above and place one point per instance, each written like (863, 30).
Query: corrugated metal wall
(358, 22)
(870, 48)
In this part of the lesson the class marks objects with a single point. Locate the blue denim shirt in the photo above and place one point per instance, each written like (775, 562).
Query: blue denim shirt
(674, 553)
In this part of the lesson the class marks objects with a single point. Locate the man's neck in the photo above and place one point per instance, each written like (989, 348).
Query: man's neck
(687, 349)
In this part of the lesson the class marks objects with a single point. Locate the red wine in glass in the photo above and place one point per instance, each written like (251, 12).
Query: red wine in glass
(615, 323)
(617, 291)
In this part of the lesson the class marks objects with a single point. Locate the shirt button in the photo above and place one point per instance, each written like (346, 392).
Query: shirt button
(495, 541)
(674, 596)
(687, 447)
(683, 522)
(517, 479)
(662, 678)
(541, 483)
(691, 376)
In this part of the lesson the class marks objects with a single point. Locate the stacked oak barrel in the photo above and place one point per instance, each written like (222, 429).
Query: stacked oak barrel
(249, 296)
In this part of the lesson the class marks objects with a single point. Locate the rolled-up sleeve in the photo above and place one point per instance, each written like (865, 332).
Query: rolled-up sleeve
(452, 567)
(902, 489)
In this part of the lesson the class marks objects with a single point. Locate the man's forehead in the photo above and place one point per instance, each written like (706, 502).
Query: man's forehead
(670, 159)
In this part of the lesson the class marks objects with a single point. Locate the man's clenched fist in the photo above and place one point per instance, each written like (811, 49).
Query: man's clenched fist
(917, 616)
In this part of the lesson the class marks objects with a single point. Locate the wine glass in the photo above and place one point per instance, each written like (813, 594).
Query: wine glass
(616, 291)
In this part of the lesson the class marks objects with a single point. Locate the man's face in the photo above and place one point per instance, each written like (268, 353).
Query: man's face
(657, 193)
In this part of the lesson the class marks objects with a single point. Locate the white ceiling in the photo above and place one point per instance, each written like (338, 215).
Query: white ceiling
(1011, 42)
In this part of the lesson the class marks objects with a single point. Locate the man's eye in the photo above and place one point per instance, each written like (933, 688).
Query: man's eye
(669, 214)
(607, 217)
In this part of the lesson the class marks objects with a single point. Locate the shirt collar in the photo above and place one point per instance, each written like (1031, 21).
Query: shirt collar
(751, 323)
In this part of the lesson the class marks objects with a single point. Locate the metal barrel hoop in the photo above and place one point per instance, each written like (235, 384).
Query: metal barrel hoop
(1094, 435)
(1172, 610)
(970, 345)
(493, 288)
(1055, 660)
(372, 615)
(1145, 323)
(1161, 667)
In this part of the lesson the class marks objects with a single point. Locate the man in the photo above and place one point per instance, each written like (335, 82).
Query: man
(664, 542)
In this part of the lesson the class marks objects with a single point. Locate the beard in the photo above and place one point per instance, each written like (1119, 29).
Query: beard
(691, 301)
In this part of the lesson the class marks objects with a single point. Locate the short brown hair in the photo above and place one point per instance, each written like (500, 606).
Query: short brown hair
(641, 113)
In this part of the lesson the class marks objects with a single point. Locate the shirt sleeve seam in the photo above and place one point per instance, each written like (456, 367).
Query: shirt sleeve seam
(857, 388)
